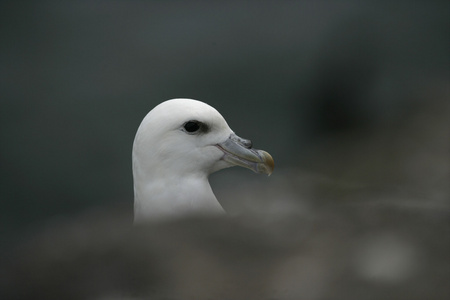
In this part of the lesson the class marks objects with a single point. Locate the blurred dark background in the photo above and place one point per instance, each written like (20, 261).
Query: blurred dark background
(78, 77)
(350, 97)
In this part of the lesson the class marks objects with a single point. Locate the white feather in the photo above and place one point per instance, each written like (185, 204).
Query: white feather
(171, 167)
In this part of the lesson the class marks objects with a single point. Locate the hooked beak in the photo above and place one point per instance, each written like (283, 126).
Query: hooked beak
(239, 152)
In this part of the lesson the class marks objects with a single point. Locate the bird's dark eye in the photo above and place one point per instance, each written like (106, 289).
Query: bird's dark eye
(192, 126)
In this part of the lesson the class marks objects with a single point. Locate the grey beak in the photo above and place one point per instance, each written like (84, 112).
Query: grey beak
(240, 152)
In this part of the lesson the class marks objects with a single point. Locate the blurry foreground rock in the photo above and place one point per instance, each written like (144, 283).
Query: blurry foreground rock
(346, 253)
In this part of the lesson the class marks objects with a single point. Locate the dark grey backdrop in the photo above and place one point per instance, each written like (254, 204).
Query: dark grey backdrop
(77, 77)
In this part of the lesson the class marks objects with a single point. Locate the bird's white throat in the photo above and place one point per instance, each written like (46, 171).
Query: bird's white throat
(163, 197)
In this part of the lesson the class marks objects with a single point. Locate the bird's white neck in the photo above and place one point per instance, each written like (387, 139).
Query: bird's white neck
(160, 198)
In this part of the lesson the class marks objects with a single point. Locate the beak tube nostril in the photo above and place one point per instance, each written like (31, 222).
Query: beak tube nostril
(244, 142)
(248, 144)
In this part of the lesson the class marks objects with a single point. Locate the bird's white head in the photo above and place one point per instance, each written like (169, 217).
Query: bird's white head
(178, 144)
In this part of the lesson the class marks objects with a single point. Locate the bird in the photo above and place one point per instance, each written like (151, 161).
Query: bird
(178, 144)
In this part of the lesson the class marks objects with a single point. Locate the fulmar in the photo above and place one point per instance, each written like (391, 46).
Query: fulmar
(177, 146)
